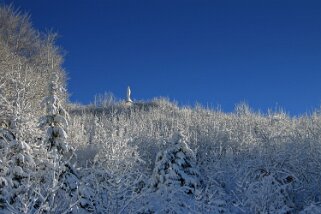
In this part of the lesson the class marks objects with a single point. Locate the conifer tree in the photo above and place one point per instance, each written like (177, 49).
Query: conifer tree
(56, 119)
(176, 167)
(174, 182)
(63, 180)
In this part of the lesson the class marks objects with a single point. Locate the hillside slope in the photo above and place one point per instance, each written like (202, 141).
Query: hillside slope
(249, 162)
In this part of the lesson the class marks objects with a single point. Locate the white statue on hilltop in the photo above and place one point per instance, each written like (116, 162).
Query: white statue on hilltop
(128, 99)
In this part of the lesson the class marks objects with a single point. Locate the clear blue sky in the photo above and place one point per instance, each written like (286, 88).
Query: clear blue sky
(267, 53)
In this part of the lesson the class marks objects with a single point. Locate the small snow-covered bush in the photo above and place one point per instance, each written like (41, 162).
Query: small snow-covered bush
(267, 191)
(312, 208)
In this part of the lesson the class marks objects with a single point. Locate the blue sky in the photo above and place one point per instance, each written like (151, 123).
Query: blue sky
(267, 53)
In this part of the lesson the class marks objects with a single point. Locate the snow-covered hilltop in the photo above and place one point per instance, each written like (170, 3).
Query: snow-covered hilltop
(140, 156)
(246, 162)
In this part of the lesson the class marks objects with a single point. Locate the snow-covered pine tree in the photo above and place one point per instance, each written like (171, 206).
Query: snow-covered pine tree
(63, 180)
(176, 167)
(56, 119)
(175, 180)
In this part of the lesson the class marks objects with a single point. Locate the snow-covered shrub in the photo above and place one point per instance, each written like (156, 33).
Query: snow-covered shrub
(120, 159)
(267, 191)
(164, 202)
(148, 148)
(94, 194)
(17, 169)
(213, 199)
(311, 209)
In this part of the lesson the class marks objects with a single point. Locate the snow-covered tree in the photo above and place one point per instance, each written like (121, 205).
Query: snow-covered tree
(62, 178)
(56, 119)
(176, 167)
(17, 167)
(267, 191)
(249, 162)
(175, 180)
(24, 75)
(16, 163)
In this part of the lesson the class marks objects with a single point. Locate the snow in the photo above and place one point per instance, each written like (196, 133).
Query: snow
(143, 157)
(252, 164)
